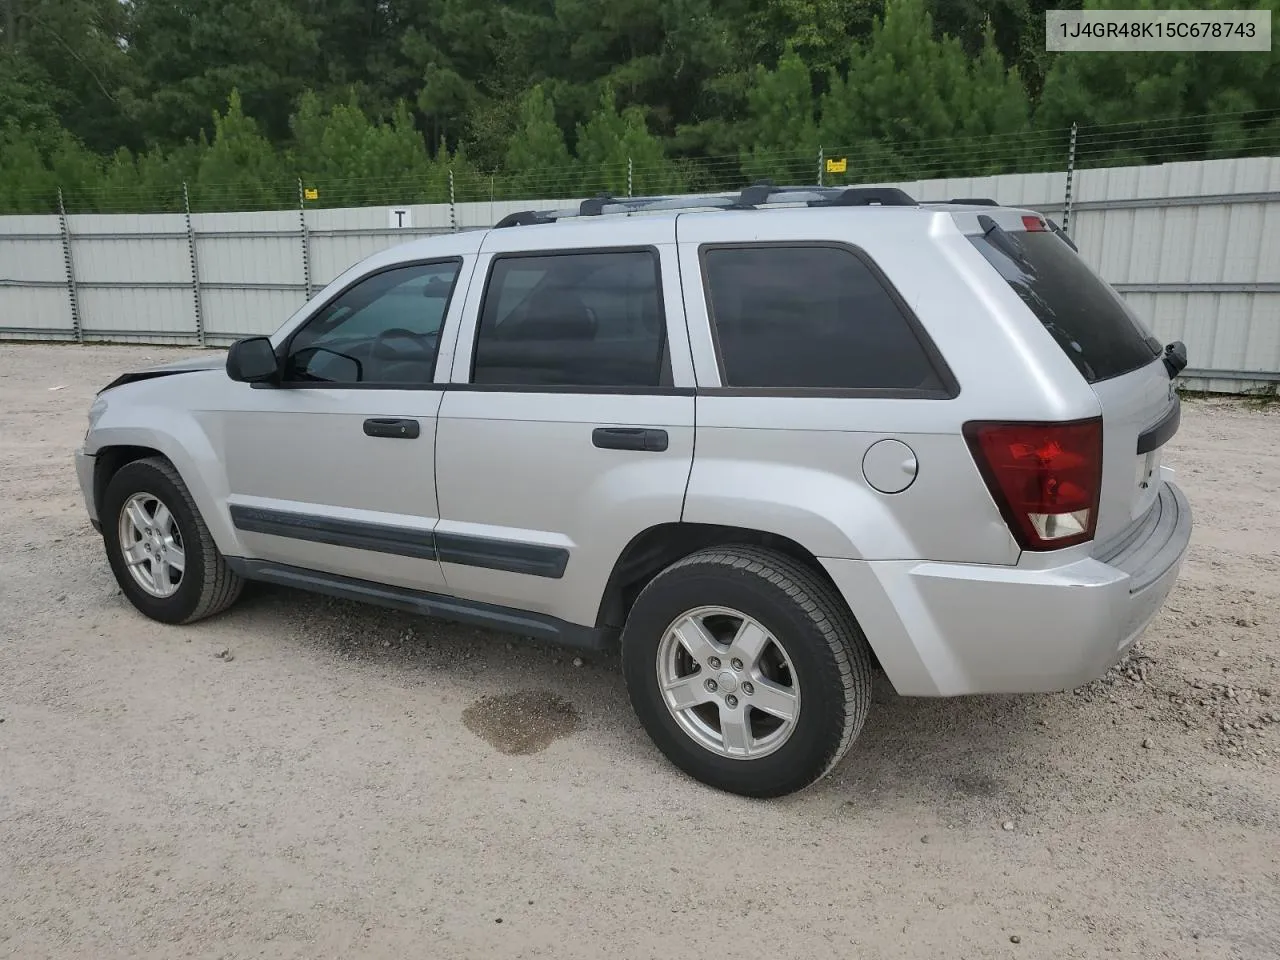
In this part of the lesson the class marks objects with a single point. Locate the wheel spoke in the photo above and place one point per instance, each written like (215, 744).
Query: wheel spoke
(775, 699)
(693, 636)
(176, 557)
(745, 673)
(136, 554)
(687, 692)
(162, 519)
(749, 642)
(160, 574)
(735, 730)
(138, 516)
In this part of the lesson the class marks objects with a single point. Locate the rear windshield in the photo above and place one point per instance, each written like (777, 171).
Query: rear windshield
(1092, 325)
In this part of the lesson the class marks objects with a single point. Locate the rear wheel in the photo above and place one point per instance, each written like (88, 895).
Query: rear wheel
(160, 550)
(747, 670)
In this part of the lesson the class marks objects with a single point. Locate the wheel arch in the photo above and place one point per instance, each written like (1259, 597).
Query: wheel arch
(653, 550)
(115, 447)
(108, 461)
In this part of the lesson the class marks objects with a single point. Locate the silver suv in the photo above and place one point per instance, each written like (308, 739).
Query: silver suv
(757, 442)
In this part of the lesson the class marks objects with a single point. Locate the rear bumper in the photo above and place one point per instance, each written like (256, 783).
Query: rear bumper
(944, 629)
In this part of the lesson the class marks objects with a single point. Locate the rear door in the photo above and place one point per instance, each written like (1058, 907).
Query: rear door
(568, 426)
(1109, 346)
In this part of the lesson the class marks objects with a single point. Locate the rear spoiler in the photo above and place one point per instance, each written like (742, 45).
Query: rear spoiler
(988, 202)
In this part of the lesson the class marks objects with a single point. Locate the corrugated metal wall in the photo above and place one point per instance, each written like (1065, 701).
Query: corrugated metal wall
(1194, 247)
(34, 298)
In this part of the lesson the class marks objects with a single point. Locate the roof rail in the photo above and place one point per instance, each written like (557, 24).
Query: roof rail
(974, 201)
(760, 194)
(523, 218)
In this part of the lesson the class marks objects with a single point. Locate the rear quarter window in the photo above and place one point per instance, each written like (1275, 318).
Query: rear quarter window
(815, 317)
(1090, 322)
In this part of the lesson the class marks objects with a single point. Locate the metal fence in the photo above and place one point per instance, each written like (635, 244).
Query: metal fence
(1194, 247)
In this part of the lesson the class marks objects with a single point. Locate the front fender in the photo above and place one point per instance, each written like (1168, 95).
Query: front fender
(178, 435)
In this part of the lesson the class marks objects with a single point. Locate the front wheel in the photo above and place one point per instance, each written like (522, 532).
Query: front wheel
(159, 547)
(747, 670)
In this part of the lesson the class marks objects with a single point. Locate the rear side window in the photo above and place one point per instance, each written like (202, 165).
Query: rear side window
(591, 319)
(801, 316)
(1090, 322)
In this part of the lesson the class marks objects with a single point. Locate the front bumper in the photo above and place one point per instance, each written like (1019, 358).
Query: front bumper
(945, 629)
(84, 473)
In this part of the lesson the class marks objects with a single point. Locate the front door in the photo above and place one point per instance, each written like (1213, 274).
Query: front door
(568, 428)
(334, 470)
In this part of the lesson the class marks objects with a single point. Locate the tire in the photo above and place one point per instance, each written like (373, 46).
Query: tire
(824, 657)
(204, 586)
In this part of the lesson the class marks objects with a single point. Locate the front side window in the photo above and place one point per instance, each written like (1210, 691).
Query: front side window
(573, 320)
(812, 317)
(383, 331)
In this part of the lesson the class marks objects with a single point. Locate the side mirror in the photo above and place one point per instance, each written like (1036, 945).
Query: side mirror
(252, 360)
(327, 366)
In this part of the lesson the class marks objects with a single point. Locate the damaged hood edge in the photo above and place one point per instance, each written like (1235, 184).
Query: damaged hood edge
(214, 361)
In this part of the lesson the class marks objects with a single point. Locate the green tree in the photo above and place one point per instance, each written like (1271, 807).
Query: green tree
(610, 141)
(66, 57)
(908, 99)
(1016, 25)
(354, 160)
(240, 170)
(381, 100)
(191, 54)
(537, 161)
(1113, 93)
(27, 185)
(780, 132)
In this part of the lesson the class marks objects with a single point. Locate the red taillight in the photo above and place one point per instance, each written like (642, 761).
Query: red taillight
(1034, 225)
(1046, 478)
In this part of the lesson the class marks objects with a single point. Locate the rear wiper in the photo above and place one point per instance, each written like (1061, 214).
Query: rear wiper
(1062, 235)
(1001, 239)
(1175, 358)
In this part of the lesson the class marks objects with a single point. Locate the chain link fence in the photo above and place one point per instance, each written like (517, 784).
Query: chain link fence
(1145, 142)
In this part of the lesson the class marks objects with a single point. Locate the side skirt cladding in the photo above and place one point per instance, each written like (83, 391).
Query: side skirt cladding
(505, 619)
(526, 558)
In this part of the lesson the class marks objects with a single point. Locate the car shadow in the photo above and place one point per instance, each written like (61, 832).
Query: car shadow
(968, 757)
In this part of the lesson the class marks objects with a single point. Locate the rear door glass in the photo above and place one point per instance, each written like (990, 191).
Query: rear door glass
(1090, 322)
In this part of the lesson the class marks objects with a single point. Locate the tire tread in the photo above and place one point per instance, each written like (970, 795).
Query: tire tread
(222, 586)
(825, 608)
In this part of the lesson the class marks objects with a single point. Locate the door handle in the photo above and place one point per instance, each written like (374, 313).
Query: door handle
(630, 438)
(392, 428)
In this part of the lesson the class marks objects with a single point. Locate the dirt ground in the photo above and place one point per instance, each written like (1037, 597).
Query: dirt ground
(312, 779)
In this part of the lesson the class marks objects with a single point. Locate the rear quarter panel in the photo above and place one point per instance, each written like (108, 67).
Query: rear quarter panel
(792, 464)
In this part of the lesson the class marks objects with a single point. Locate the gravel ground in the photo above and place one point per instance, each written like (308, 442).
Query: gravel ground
(309, 778)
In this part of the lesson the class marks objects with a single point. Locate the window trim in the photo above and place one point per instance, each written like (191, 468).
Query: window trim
(287, 344)
(950, 386)
(655, 256)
